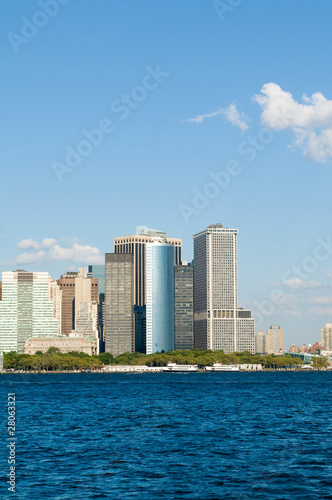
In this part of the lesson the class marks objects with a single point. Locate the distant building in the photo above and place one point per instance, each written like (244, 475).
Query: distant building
(274, 340)
(25, 310)
(98, 271)
(159, 296)
(326, 337)
(55, 295)
(1, 360)
(86, 290)
(63, 342)
(119, 307)
(260, 342)
(218, 322)
(86, 323)
(67, 285)
(183, 307)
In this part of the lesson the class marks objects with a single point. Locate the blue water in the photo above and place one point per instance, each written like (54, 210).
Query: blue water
(170, 436)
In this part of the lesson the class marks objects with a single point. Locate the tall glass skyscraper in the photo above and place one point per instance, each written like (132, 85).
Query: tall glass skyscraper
(218, 322)
(25, 310)
(159, 296)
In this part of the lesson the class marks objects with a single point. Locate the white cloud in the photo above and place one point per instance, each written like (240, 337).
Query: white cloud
(52, 251)
(31, 258)
(27, 244)
(298, 283)
(236, 118)
(77, 253)
(48, 243)
(311, 122)
(231, 113)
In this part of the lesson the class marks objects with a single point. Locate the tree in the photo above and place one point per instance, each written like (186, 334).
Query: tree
(320, 362)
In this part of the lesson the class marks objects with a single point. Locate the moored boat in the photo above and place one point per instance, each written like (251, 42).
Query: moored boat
(219, 367)
(173, 367)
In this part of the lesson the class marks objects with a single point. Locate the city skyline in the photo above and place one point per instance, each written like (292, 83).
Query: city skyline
(214, 123)
(263, 313)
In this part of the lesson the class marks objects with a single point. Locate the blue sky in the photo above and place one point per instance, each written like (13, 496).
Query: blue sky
(167, 64)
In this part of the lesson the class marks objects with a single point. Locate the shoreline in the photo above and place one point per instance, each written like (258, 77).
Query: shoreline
(157, 370)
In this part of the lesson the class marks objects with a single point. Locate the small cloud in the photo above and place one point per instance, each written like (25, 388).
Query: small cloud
(298, 283)
(27, 244)
(236, 118)
(48, 243)
(310, 122)
(231, 113)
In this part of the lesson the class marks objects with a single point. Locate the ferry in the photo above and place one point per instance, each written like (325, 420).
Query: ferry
(218, 367)
(173, 367)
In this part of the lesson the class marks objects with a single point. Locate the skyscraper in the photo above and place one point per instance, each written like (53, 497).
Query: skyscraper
(119, 307)
(183, 307)
(26, 310)
(136, 245)
(67, 285)
(86, 290)
(159, 296)
(218, 322)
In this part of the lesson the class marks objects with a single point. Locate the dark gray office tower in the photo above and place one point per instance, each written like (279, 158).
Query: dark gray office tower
(119, 304)
(140, 328)
(183, 307)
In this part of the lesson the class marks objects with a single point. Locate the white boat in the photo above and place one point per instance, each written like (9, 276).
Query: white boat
(173, 367)
(218, 367)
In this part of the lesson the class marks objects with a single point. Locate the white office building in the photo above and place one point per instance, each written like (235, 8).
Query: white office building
(219, 324)
(26, 310)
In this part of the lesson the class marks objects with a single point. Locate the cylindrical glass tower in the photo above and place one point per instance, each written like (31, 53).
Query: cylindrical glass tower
(159, 296)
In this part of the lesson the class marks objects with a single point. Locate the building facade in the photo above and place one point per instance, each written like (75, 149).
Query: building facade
(63, 342)
(25, 310)
(67, 285)
(274, 340)
(119, 306)
(55, 295)
(86, 323)
(218, 322)
(260, 342)
(159, 296)
(136, 245)
(183, 307)
(326, 337)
